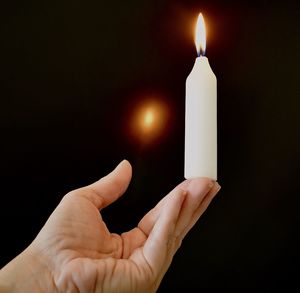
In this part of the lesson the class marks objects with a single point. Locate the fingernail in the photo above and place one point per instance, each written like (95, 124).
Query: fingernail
(211, 183)
(200, 186)
(122, 163)
(216, 188)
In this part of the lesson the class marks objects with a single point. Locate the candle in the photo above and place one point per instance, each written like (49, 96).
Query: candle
(201, 114)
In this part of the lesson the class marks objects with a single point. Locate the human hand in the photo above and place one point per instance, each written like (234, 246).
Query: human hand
(75, 252)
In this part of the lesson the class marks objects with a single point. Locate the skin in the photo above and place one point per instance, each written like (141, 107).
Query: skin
(75, 251)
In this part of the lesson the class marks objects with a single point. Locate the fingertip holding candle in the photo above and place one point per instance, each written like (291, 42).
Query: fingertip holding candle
(201, 114)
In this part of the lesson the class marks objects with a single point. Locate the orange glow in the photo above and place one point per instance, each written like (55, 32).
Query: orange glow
(200, 35)
(148, 120)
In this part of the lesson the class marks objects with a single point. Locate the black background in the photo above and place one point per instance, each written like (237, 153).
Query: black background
(70, 72)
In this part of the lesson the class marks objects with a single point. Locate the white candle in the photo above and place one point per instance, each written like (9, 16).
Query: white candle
(201, 115)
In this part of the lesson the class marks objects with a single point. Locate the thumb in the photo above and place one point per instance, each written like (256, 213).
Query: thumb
(109, 188)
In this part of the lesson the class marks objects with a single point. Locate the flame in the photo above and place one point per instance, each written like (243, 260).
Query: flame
(200, 35)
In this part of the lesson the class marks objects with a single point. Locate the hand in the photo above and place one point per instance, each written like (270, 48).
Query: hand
(75, 252)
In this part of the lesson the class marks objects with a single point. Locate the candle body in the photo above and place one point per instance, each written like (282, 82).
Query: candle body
(201, 122)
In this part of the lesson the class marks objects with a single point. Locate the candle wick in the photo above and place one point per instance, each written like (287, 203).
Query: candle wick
(201, 52)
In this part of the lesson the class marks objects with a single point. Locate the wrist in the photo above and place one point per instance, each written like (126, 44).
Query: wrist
(26, 273)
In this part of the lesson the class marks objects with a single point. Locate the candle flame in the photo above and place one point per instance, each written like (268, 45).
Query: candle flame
(200, 35)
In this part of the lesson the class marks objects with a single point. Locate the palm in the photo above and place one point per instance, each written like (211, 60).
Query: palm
(83, 241)
(83, 255)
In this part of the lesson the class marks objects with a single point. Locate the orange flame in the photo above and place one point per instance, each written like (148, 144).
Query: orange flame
(200, 35)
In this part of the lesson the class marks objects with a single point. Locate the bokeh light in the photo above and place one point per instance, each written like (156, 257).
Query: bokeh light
(148, 120)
